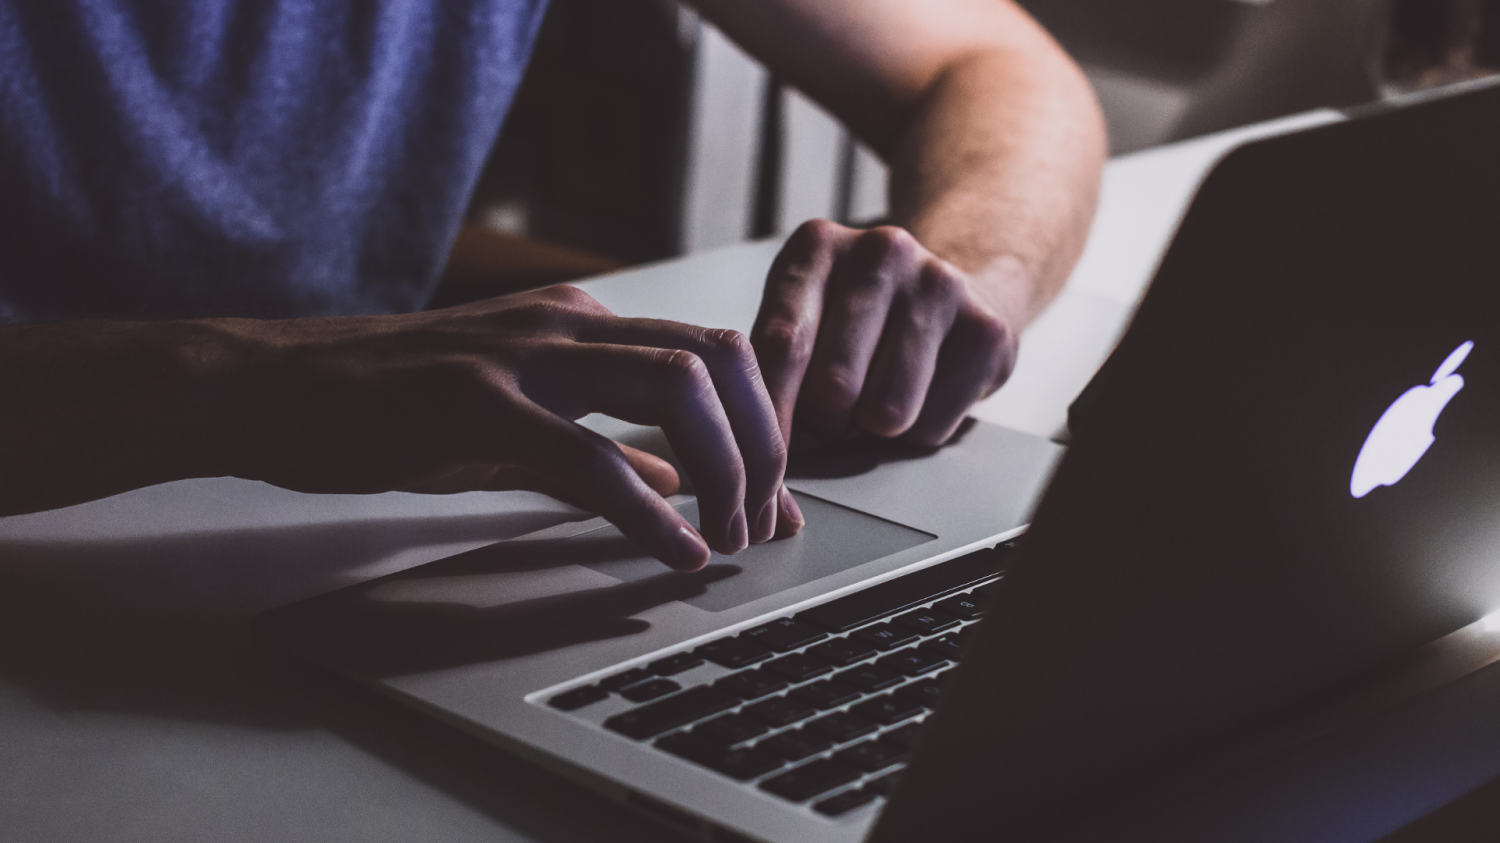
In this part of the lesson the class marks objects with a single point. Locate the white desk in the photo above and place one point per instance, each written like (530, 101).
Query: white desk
(135, 706)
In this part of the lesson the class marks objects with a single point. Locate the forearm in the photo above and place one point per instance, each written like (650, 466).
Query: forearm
(996, 169)
(993, 136)
(96, 408)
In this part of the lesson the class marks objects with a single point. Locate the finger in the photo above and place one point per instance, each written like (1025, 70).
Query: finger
(513, 477)
(855, 307)
(786, 328)
(791, 520)
(657, 472)
(737, 379)
(592, 470)
(975, 359)
(666, 388)
(903, 367)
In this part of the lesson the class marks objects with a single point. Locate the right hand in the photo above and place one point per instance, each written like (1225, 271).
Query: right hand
(485, 396)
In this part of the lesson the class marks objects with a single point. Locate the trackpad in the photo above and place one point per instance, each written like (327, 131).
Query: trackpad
(835, 539)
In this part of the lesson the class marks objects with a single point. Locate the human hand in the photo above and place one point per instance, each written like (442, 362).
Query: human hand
(868, 330)
(485, 396)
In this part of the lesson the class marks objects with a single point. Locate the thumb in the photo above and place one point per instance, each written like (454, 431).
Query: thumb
(657, 472)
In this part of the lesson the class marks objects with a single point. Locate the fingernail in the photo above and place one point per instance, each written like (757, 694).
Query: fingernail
(765, 523)
(791, 510)
(691, 550)
(739, 534)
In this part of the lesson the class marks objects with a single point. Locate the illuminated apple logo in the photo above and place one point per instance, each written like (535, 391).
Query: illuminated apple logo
(1404, 432)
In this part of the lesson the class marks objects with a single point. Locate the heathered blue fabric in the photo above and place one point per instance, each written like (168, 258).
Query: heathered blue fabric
(272, 158)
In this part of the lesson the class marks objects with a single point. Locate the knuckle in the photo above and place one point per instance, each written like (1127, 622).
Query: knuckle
(886, 418)
(571, 297)
(887, 244)
(992, 331)
(937, 280)
(554, 308)
(996, 343)
(835, 383)
(807, 250)
(728, 344)
(540, 315)
(776, 452)
(683, 367)
(468, 376)
(815, 234)
(781, 340)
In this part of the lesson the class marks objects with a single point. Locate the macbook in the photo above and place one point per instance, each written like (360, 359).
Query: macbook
(1284, 475)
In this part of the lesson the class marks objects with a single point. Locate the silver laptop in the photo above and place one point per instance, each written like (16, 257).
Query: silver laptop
(1275, 483)
(571, 648)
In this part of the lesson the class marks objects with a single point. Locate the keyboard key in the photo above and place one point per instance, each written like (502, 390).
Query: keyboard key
(964, 606)
(673, 665)
(887, 709)
(886, 636)
(902, 593)
(809, 780)
(650, 690)
(580, 697)
(796, 744)
(907, 736)
(827, 694)
(621, 680)
(780, 711)
(784, 634)
(844, 726)
(925, 692)
(740, 764)
(871, 756)
(927, 621)
(844, 802)
(886, 784)
(730, 729)
(913, 661)
(752, 684)
(842, 652)
(798, 667)
(946, 647)
(869, 677)
(652, 719)
(745, 764)
(733, 652)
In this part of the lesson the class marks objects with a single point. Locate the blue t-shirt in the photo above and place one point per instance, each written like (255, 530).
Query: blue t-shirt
(172, 158)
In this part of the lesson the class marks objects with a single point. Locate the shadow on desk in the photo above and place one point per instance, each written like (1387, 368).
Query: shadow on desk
(160, 628)
(462, 610)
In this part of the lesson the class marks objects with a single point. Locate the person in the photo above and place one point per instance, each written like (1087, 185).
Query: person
(219, 221)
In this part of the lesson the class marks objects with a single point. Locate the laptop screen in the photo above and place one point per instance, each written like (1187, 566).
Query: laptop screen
(1287, 474)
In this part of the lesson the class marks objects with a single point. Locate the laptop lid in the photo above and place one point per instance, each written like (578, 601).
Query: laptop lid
(1286, 474)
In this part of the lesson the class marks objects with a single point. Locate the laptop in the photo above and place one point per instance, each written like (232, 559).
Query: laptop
(1283, 477)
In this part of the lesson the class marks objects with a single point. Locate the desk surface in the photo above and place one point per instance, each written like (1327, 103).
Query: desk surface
(135, 706)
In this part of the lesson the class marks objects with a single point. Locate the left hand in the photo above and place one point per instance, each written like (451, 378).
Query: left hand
(867, 330)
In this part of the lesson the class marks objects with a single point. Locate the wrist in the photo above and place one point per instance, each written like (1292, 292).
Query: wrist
(1007, 286)
(218, 395)
(186, 392)
(98, 407)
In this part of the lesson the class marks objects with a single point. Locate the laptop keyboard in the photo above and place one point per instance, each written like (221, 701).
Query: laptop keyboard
(821, 708)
